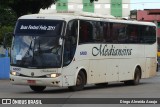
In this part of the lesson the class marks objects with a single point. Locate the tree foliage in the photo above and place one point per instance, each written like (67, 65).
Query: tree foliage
(4, 30)
(7, 17)
(7, 22)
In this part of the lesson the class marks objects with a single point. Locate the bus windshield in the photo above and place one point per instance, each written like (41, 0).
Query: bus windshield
(36, 44)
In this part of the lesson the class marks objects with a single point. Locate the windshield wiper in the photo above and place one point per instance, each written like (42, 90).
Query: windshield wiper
(29, 49)
(27, 53)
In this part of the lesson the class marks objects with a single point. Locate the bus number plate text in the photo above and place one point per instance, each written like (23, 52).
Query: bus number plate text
(31, 81)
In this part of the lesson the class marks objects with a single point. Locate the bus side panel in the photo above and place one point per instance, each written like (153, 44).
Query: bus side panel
(150, 67)
(151, 60)
(126, 69)
(112, 70)
(104, 70)
(71, 71)
(98, 70)
(128, 64)
(151, 50)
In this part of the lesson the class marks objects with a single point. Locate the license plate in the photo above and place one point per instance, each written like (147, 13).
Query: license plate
(31, 81)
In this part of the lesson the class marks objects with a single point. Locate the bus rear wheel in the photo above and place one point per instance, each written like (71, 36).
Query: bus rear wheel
(136, 80)
(80, 82)
(137, 77)
(38, 88)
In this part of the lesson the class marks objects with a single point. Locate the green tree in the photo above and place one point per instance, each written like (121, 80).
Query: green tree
(7, 17)
(3, 31)
(7, 22)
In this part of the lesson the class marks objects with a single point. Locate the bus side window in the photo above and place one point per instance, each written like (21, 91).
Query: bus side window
(132, 32)
(106, 36)
(85, 32)
(149, 34)
(114, 32)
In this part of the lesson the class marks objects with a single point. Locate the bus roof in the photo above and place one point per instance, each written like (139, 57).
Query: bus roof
(83, 16)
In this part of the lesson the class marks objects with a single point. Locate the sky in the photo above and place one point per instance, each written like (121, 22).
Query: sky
(145, 4)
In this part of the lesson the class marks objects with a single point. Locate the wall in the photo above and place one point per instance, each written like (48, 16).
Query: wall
(118, 8)
(102, 7)
(4, 65)
(125, 8)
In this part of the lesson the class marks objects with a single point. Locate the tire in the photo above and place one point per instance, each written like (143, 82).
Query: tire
(136, 80)
(38, 88)
(80, 82)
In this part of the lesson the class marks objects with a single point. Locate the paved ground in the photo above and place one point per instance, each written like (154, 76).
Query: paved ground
(149, 88)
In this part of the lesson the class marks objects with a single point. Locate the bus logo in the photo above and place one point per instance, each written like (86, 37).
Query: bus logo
(104, 50)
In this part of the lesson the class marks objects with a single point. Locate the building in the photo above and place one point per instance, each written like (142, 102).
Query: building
(117, 8)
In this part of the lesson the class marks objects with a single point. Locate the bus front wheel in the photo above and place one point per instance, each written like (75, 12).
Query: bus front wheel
(38, 88)
(80, 82)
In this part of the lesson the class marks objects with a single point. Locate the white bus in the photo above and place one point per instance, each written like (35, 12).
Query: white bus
(72, 50)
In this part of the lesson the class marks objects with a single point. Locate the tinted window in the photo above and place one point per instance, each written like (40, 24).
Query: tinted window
(108, 32)
(148, 34)
(93, 32)
(118, 33)
(85, 32)
(132, 33)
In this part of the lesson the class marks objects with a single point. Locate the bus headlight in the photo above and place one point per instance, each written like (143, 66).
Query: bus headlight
(14, 73)
(53, 75)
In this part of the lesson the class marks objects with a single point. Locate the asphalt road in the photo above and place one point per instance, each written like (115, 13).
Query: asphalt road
(148, 88)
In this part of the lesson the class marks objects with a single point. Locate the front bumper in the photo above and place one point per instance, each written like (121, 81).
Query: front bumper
(19, 80)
